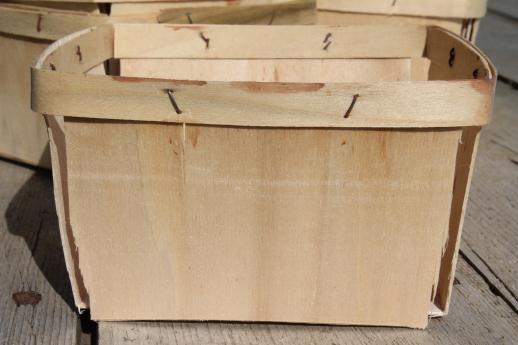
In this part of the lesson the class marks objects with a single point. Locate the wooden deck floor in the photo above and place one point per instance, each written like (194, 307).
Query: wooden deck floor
(485, 298)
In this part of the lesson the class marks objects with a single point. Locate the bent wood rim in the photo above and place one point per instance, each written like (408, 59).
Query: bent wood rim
(68, 91)
(422, 8)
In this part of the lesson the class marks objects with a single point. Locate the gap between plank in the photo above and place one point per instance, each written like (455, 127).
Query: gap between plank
(496, 285)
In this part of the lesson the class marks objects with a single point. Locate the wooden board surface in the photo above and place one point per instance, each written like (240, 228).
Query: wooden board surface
(31, 260)
(498, 38)
(481, 311)
(483, 308)
(23, 134)
(491, 225)
(506, 7)
(477, 317)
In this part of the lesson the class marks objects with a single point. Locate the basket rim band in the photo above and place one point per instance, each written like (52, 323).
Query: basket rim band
(398, 104)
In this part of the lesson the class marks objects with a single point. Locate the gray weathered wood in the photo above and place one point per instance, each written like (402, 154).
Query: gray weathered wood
(506, 7)
(498, 38)
(31, 259)
(491, 225)
(477, 317)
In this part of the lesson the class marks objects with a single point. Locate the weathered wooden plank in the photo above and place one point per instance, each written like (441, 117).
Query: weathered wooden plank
(498, 39)
(477, 317)
(31, 260)
(491, 225)
(506, 7)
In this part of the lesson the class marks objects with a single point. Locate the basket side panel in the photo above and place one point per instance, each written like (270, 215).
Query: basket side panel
(61, 195)
(221, 223)
(463, 172)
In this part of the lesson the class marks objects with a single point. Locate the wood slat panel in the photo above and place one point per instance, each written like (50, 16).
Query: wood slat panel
(384, 104)
(436, 8)
(177, 41)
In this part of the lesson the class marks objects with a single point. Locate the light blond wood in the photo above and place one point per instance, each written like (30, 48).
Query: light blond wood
(352, 18)
(16, 55)
(288, 70)
(301, 105)
(27, 27)
(435, 8)
(460, 16)
(52, 20)
(44, 5)
(245, 12)
(477, 317)
(267, 104)
(323, 220)
(287, 269)
(464, 169)
(49, 25)
(165, 41)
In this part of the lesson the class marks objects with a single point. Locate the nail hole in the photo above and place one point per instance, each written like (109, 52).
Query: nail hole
(475, 73)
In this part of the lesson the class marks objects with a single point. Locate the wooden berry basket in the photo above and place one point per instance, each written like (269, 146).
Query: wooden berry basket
(26, 29)
(459, 16)
(267, 173)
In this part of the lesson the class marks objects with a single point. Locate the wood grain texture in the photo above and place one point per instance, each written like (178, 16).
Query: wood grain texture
(44, 23)
(256, 294)
(287, 70)
(264, 41)
(382, 104)
(477, 317)
(437, 8)
(492, 217)
(206, 6)
(497, 38)
(245, 12)
(23, 134)
(478, 314)
(27, 28)
(31, 260)
(199, 192)
(348, 18)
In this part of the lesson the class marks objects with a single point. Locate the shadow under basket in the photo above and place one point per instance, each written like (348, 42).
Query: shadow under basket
(307, 174)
